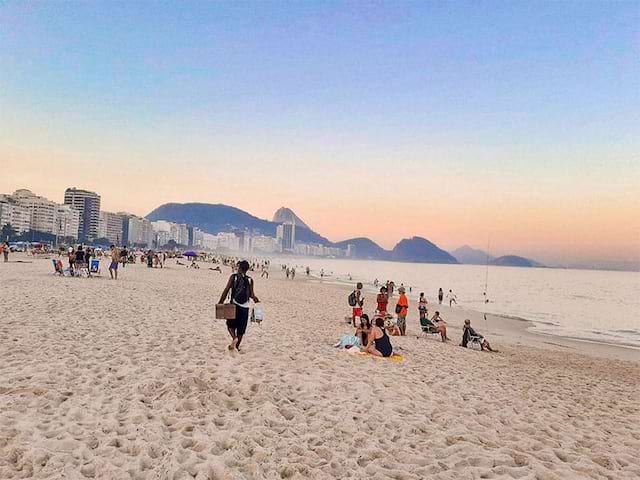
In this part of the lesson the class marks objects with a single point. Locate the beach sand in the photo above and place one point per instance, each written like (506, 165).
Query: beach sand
(132, 380)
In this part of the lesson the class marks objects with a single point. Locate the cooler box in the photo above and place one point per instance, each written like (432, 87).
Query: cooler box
(225, 311)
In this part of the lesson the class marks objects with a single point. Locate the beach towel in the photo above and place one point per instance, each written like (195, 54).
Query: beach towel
(394, 358)
(349, 340)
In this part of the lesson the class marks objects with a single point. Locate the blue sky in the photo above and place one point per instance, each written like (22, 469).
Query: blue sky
(484, 97)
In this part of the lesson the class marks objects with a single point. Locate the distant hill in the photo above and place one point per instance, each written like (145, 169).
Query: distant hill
(418, 249)
(471, 256)
(284, 214)
(514, 261)
(366, 249)
(216, 218)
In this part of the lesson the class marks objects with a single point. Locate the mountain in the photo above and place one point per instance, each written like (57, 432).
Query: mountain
(215, 218)
(514, 261)
(471, 256)
(284, 215)
(365, 248)
(421, 250)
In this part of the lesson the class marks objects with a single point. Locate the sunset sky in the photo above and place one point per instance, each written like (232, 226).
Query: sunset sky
(456, 121)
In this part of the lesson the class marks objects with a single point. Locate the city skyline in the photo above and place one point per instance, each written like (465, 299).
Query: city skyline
(463, 123)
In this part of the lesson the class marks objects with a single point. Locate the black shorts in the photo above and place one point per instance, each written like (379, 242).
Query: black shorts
(240, 322)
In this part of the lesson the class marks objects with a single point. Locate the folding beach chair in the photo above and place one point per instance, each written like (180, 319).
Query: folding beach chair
(58, 269)
(81, 270)
(94, 266)
(427, 327)
(475, 341)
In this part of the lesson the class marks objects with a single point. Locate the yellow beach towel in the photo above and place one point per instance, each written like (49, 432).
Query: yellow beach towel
(394, 357)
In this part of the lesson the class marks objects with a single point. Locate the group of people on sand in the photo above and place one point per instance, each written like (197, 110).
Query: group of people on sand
(370, 335)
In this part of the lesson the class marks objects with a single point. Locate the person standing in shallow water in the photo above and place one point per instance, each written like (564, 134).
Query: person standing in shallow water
(241, 287)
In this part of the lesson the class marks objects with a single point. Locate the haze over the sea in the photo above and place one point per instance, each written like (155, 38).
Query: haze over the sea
(456, 121)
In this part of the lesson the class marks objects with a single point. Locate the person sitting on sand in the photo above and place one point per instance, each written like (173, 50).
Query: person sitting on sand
(241, 287)
(468, 332)
(379, 343)
(440, 325)
(392, 329)
(363, 329)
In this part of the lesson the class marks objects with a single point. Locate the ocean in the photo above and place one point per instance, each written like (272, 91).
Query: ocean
(591, 305)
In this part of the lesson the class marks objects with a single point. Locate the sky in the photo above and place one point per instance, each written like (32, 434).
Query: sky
(504, 123)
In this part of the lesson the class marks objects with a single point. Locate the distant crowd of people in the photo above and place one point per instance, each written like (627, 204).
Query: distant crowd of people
(373, 337)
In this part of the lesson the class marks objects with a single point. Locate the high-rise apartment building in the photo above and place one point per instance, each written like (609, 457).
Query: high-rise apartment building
(13, 214)
(42, 212)
(137, 231)
(88, 204)
(110, 227)
(67, 222)
(286, 234)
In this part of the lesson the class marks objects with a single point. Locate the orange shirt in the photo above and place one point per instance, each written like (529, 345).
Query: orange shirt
(404, 303)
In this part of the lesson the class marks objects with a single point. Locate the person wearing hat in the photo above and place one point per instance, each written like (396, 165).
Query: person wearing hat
(402, 307)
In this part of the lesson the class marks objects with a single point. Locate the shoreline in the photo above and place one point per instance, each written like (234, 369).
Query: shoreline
(510, 329)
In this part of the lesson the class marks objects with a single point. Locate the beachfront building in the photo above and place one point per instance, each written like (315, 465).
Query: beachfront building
(67, 222)
(13, 214)
(209, 241)
(286, 235)
(228, 241)
(88, 204)
(195, 237)
(110, 227)
(318, 250)
(264, 244)
(137, 231)
(165, 231)
(351, 250)
(42, 212)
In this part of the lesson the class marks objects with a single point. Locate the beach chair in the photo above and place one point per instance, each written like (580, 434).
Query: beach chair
(475, 341)
(81, 270)
(58, 269)
(427, 327)
(94, 266)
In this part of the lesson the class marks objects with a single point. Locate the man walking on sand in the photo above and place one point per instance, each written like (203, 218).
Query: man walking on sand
(115, 259)
(241, 287)
(5, 251)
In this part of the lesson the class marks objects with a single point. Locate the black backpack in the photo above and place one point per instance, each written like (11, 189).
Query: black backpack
(353, 299)
(240, 289)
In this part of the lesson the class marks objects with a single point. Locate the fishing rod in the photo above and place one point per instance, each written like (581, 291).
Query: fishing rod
(486, 283)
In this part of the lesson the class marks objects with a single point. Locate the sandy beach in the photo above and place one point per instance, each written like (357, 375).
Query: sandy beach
(131, 379)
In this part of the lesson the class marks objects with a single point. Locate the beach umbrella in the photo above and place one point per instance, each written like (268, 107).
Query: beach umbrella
(190, 253)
